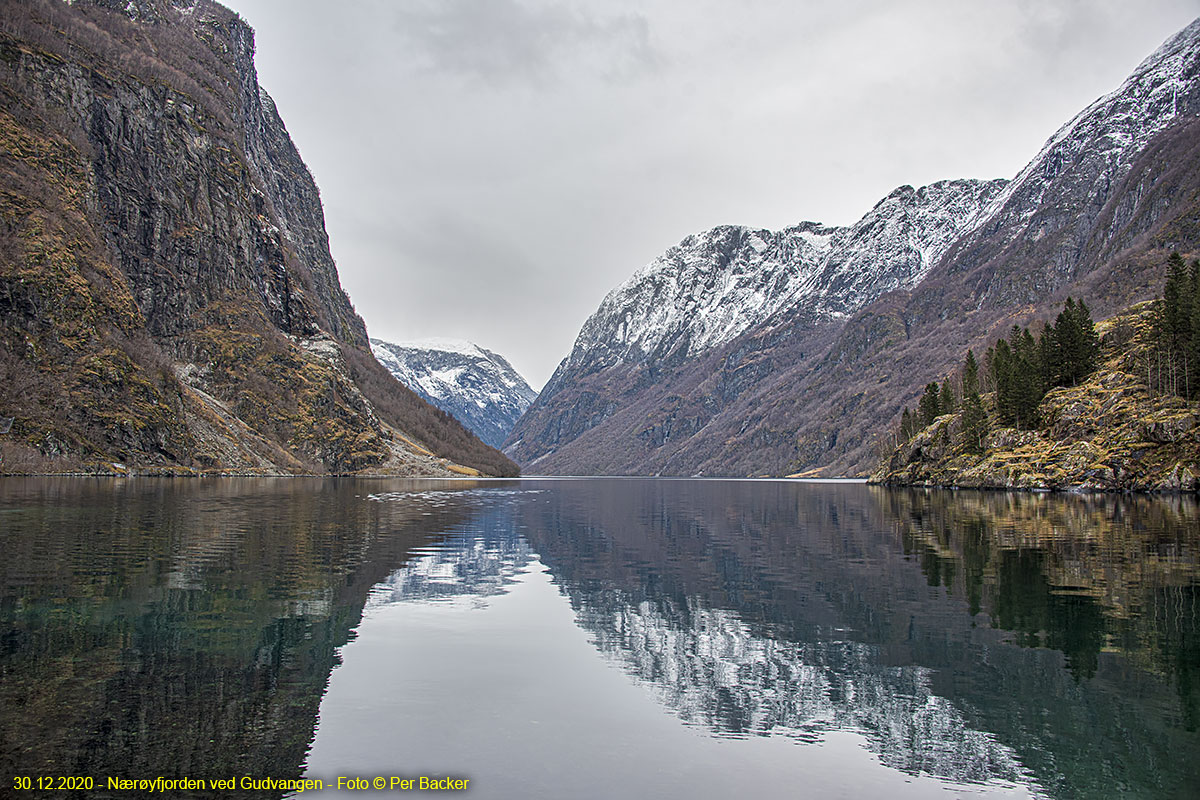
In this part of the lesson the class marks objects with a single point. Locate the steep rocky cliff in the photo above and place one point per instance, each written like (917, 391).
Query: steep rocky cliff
(808, 386)
(167, 297)
(479, 387)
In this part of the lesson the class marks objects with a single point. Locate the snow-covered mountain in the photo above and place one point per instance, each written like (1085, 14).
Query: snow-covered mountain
(1107, 136)
(480, 388)
(1091, 189)
(715, 285)
(743, 351)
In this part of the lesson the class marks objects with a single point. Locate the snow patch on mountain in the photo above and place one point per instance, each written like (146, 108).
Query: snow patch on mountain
(1111, 132)
(460, 346)
(714, 286)
(477, 386)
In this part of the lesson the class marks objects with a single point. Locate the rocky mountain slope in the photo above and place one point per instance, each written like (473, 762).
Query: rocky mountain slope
(802, 365)
(480, 388)
(167, 297)
(714, 286)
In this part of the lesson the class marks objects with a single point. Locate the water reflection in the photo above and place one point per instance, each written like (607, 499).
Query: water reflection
(191, 628)
(1051, 640)
(714, 670)
(1083, 575)
(478, 559)
(182, 628)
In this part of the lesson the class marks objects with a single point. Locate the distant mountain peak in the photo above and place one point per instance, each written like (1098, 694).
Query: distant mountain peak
(478, 387)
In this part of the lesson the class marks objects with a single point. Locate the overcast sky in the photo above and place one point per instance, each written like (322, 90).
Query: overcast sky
(490, 169)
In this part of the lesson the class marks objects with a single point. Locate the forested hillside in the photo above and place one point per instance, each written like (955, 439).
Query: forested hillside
(1071, 405)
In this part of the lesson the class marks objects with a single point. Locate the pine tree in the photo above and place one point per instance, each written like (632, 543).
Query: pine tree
(1175, 329)
(1192, 348)
(974, 423)
(1027, 379)
(1017, 371)
(974, 418)
(1001, 360)
(1083, 356)
(1050, 352)
(1069, 349)
(930, 407)
(987, 375)
(947, 402)
(970, 379)
(1175, 317)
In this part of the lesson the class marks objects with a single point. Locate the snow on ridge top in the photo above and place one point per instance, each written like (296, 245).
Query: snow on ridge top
(707, 289)
(715, 285)
(435, 359)
(1186, 38)
(477, 386)
(818, 241)
(1126, 118)
(443, 345)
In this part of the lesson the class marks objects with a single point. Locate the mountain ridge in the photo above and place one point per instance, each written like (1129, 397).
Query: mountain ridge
(685, 293)
(1093, 214)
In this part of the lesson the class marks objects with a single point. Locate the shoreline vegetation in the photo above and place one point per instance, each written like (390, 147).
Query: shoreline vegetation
(117, 470)
(1121, 415)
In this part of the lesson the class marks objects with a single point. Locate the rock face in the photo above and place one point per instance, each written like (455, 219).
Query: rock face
(1110, 433)
(1090, 192)
(167, 297)
(744, 352)
(480, 388)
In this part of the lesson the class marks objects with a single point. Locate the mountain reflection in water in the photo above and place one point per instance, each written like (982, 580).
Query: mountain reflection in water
(1048, 641)
(979, 639)
(182, 628)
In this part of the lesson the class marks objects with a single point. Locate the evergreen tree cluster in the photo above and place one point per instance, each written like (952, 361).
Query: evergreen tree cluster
(1177, 330)
(1023, 368)
(936, 401)
(943, 399)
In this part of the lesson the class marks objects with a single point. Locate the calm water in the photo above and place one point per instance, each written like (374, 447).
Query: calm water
(600, 638)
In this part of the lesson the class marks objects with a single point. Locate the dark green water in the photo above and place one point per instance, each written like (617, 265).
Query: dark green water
(599, 638)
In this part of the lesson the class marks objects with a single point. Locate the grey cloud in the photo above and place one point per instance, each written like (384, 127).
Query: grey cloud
(508, 41)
